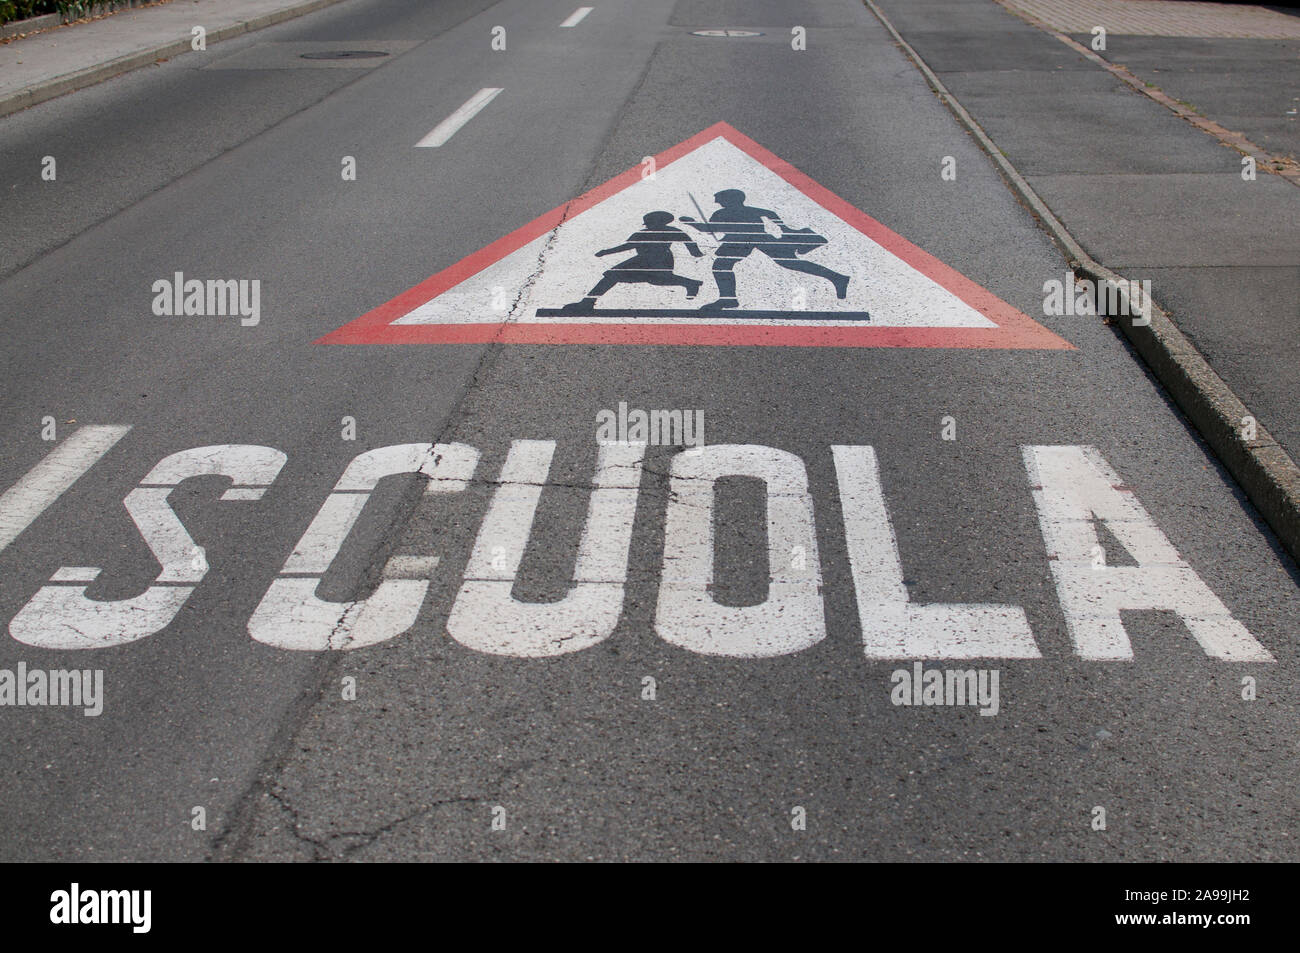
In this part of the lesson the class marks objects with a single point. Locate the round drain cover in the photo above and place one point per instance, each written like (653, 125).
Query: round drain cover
(724, 33)
(343, 55)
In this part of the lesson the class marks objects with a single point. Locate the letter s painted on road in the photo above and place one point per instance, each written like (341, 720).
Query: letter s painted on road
(60, 616)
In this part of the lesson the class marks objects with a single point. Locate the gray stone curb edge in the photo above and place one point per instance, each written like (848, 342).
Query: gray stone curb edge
(1263, 469)
(30, 25)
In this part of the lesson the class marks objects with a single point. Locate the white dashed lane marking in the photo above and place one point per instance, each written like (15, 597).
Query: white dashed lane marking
(577, 16)
(451, 125)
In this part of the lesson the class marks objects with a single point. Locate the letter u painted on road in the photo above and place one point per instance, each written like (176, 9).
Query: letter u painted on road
(292, 616)
(792, 617)
(488, 618)
(60, 616)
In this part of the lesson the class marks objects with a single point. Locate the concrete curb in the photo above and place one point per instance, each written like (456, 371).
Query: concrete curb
(97, 11)
(30, 25)
(70, 82)
(1263, 469)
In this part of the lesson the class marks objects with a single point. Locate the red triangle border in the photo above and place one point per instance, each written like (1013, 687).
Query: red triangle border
(1015, 329)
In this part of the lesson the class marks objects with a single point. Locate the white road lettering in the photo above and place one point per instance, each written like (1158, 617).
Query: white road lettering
(893, 627)
(1072, 486)
(791, 618)
(61, 617)
(291, 616)
(488, 618)
(44, 483)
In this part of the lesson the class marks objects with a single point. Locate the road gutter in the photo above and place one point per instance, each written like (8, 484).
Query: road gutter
(80, 79)
(1260, 465)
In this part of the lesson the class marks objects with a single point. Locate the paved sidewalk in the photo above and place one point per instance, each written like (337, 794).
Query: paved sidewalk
(1251, 87)
(1232, 69)
(1147, 194)
(48, 64)
(1162, 18)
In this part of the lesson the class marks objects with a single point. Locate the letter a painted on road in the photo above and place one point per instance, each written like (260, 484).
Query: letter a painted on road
(717, 242)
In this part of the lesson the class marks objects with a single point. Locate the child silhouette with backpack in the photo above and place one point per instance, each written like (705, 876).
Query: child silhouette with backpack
(652, 264)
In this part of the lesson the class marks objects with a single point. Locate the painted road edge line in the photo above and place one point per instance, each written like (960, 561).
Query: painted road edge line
(451, 125)
(44, 483)
(80, 79)
(577, 16)
(1261, 466)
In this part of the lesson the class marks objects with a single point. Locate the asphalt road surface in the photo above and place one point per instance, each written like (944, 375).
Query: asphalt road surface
(626, 647)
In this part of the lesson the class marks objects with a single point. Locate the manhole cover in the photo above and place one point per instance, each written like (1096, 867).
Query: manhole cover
(724, 33)
(343, 55)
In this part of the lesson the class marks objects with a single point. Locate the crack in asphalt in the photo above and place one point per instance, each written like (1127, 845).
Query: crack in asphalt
(235, 837)
(323, 849)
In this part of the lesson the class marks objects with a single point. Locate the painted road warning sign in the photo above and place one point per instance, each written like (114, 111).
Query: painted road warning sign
(716, 241)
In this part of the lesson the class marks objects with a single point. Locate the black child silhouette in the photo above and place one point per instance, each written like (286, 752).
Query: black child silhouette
(652, 264)
(741, 228)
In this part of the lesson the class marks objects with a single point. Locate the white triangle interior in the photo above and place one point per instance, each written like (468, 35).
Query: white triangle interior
(560, 267)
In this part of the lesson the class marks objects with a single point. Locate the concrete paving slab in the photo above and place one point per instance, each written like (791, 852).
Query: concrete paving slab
(959, 16)
(1232, 314)
(1166, 18)
(1249, 86)
(1107, 127)
(974, 50)
(1141, 221)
